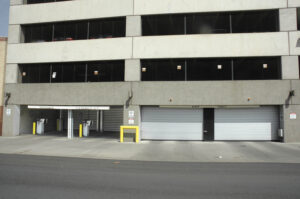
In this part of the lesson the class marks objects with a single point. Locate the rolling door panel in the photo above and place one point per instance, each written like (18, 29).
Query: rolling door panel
(171, 124)
(247, 124)
(113, 119)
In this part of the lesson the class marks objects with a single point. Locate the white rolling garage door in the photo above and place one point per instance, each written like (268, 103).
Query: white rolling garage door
(247, 123)
(171, 124)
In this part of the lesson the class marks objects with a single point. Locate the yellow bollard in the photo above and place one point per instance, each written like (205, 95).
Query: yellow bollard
(57, 125)
(121, 134)
(80, 130)
(34, 128)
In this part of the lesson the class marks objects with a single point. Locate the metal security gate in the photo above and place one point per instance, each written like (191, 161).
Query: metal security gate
(113, 119)
(171, 124)
(247, 123)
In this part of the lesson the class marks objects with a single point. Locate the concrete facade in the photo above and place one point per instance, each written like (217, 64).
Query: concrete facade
(132, 94)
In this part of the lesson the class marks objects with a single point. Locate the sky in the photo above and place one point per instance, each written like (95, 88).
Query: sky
(4, 10)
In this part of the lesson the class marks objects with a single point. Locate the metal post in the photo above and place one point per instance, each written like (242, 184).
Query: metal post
(70, 124)
(101, 121)
(98, 121)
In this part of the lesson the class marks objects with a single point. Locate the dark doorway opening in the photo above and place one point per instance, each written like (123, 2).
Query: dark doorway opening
(208, 124)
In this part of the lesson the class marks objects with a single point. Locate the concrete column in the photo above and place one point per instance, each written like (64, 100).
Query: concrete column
(11, 120)
(16, 2)
(132, 70)
(133, 26)
(288, 19)
(12, 74)
(15, 34)
(290, 67)
(291, 126)
(101, 121)
(132, 116)
(70, 124)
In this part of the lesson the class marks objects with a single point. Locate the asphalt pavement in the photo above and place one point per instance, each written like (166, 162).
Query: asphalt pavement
(26, 176)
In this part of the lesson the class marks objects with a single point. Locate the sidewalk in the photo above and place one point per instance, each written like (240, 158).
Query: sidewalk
(178, 151)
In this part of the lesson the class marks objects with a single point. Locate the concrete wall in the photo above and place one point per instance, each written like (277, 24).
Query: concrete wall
(11, 120)
(66, 51)
(184, 6)
(211, 45)
(69, 10)
(69, 93)
(153, 93)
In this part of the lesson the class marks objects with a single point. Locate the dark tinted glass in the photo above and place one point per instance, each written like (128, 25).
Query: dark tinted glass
(43, 1)
(209, 69)
(163, 70)
(163, 25)
(105, 71)
(258, 21)
(208, 23)
(257, 68)
(108, 28)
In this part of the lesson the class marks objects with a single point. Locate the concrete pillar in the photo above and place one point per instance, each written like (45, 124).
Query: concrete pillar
(11, 120)
(291, 126)
(15, 34)
(288, 19)
(132, 70)
(132, 116)
(133, 26)
(70, 124)
(290, 67)
(101, 125)
(16, 2)
(12, 74)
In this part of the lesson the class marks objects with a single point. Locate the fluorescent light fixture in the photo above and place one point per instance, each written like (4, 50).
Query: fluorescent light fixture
(96, 72)
(265, 66)
(54, 75)
(220, 67)
(24, 74)
(144, 69)
(179, 67)
(70, 107)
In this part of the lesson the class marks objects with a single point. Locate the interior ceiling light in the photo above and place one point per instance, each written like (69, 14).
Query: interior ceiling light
(54, 75)
(144, 69)
(179, 67)
(96, 72)
(265, 66)
(24, 74)
(220, 67)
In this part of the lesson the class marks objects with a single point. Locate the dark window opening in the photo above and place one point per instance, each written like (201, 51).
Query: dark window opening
(163, 70)
(43, 1)
(108, 28)
(258, 21)
(211, 23)
(163, 25)
(257, 68)
(37, 73)
(211, 69)
(103, 71)
(79, 30)
(208, 23)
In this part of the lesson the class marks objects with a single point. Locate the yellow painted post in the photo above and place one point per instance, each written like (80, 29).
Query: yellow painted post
(137, 134)
(121, 134)
(34, 128)
(80, 130)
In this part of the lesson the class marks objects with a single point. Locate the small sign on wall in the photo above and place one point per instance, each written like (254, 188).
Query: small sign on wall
(131, 121)
(293, 116)
(8, 111)
(131, 114)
